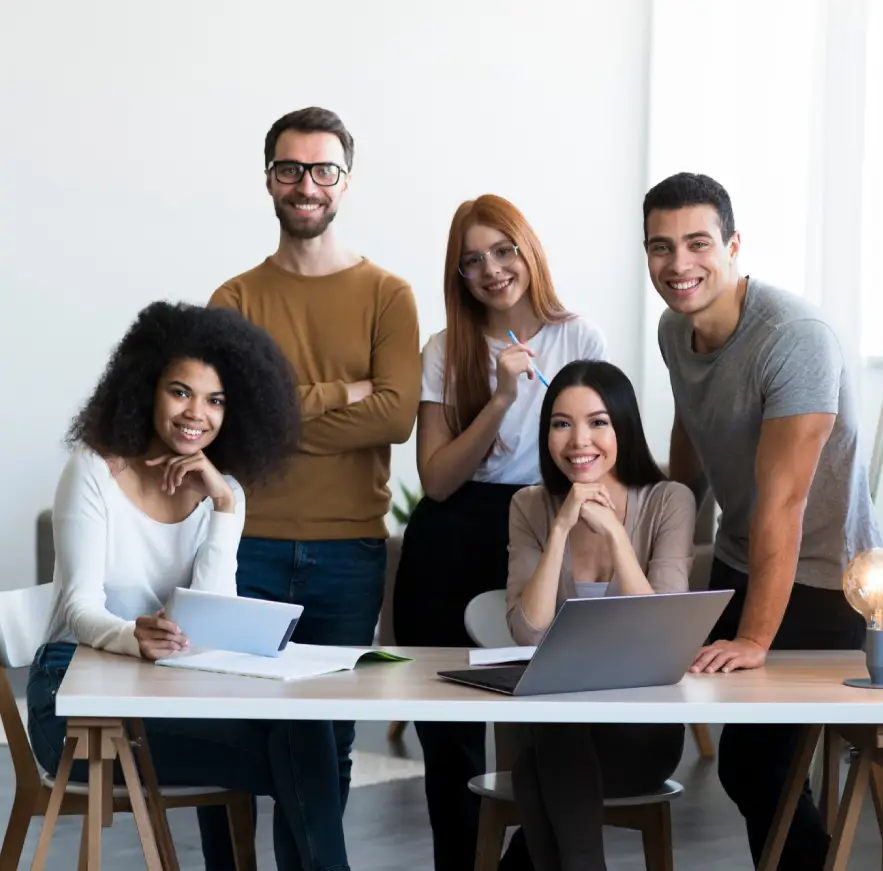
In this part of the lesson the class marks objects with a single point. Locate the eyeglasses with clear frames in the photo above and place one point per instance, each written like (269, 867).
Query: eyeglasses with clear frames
(292, 171)
(503, 254)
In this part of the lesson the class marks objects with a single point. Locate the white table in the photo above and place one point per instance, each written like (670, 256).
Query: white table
(101, 690)
(792, 688)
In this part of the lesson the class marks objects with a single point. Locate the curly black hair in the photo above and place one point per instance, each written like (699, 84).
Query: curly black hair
(262, 415)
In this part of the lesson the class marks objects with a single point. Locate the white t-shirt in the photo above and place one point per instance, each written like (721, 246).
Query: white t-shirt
(555, 345)
(113, 563)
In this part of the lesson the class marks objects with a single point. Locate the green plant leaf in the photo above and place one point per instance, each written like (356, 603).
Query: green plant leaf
(402, 513)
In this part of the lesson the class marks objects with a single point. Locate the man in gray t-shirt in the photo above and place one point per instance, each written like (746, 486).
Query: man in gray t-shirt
(782, 361)
(764, 413)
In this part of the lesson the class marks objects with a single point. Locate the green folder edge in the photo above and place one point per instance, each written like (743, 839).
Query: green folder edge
(383, 655)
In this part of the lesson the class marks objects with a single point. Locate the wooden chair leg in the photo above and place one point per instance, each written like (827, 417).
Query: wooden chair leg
(396, 730)
(61, 779)
(772, 850)
(242, 832)
(702, 737)
(491, 833)
(850, 807)
(17, 830)
(656, 837)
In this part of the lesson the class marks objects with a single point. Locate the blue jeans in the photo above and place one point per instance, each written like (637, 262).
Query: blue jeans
(340, 585)
(251, 756)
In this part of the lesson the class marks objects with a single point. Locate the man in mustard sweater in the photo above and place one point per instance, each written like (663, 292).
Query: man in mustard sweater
(316, 536)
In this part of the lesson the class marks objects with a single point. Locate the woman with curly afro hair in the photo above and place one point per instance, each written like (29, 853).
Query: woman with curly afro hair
(194, 405)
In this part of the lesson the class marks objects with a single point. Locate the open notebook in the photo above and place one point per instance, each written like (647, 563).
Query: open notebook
(296, 661)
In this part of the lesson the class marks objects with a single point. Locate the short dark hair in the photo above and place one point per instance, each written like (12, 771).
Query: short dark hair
(689, 189)
(635, 466)
(262, 417)
(311, 120)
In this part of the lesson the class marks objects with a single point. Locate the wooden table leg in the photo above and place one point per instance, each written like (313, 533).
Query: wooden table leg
(54, 806)
(83, 864)
(107, 795)
(139, 807)
(100, 742)
(772, 851)
(877, 793)
(830, 797)
(850, 807)
(155, 806)
(95, 814)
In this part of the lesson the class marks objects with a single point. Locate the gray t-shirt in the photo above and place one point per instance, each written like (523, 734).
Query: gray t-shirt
(783, 360)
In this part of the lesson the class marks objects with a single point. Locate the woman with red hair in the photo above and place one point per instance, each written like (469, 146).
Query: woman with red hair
(484, 380)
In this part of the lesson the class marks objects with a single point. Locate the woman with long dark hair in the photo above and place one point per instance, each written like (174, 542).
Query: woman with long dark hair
(605, 521)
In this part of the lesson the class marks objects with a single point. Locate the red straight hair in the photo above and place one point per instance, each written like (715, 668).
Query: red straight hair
(467, 386)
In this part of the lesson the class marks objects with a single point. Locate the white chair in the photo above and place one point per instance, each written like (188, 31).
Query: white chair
(485, 620)
(23, 619)
(648, 814)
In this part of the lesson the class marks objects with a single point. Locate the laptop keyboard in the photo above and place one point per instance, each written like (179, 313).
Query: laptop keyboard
(502, 678)
(506, 677)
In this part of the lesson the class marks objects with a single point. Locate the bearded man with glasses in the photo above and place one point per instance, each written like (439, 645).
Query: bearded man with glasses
(317, 535)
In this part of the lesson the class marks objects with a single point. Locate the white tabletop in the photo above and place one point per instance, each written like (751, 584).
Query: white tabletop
(802, 687)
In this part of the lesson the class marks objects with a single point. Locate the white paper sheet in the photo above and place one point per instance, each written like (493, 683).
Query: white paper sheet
(501, 655)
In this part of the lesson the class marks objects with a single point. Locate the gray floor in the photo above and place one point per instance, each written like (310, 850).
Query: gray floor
(388, 829)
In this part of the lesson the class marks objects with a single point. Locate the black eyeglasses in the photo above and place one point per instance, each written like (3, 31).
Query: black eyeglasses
(292, 171)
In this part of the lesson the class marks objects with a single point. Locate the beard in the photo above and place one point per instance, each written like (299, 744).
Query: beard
(298, 228)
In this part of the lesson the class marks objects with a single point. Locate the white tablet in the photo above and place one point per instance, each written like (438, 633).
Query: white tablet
(232, 622)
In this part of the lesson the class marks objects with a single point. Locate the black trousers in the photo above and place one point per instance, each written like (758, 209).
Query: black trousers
(566, 770)
(452, 551)
(753, 760)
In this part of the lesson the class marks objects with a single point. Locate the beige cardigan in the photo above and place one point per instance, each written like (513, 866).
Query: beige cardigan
(659, 520)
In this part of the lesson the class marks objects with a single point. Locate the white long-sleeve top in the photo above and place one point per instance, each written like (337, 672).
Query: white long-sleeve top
(113, 563)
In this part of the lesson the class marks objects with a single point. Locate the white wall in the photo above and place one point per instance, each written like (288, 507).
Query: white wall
(784, 133)
(746, 124)
(130, 169)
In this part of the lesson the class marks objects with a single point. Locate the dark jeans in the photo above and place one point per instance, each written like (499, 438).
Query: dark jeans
(452, 551)
(340, 584)
(753, 760)
(246, 755)
(565, 771)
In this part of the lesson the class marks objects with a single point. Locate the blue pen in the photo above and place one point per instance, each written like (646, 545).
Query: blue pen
(532, 366)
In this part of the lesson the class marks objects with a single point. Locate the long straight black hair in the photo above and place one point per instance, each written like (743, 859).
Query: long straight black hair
(635, 466)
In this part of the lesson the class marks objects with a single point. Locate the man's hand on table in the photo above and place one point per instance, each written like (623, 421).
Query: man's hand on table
(727, 656)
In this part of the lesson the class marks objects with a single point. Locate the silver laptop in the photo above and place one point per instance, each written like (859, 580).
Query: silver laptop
(609, 643)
